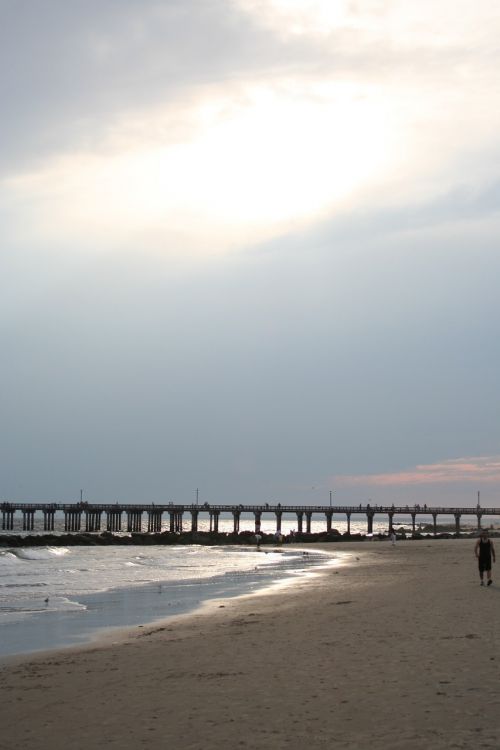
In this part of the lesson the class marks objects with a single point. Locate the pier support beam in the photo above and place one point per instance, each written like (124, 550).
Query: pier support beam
(7, 518)
(93, 520)
(176, 521)
(236, 521)
(134, 520)
(113, 520)
(308, 521)
(154, 521)
(48, 519)
(194, 521)
(329, 516)
(457, 523)
(279, 514)
(391, 526)
(369, 517)
(479, 516)
(300, 516)
(28, 520)
(434, 521)
(214, 521)
(258, 517)
(72, 520)
(413, 522)
(348, 524)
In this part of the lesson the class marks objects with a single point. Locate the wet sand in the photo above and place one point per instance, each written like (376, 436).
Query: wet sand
(398, 648)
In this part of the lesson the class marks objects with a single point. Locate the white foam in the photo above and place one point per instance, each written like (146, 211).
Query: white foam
(40, 553)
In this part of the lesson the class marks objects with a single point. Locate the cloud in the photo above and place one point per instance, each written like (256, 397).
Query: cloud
(69, 70)
(483, 469)
(72, 73)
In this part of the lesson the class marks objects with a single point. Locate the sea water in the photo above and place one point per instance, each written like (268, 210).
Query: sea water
(56, 596)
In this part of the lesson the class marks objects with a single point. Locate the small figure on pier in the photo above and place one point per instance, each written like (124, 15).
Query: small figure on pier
(485, 553)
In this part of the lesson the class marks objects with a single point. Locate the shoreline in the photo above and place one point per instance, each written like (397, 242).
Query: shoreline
(396, 649)
(130, 606)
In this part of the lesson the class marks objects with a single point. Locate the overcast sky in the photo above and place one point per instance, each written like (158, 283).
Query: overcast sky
(250, 247)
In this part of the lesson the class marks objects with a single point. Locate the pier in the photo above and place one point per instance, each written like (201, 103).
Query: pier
(97, 517)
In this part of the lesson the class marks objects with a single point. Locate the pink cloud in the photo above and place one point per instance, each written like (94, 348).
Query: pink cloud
(470, 469)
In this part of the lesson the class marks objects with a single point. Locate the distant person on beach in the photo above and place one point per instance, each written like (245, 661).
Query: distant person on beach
(485, 553)
(258, 540)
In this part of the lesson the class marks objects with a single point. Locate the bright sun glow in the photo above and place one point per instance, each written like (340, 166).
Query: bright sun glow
(299, 16)
(252, 166)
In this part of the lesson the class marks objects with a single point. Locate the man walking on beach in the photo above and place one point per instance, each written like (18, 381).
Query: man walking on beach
(485, 552)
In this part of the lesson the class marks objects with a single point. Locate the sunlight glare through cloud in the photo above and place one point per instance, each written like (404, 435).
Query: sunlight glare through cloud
(253, 164)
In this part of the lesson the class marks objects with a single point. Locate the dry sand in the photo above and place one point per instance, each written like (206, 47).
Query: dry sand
(398, 648)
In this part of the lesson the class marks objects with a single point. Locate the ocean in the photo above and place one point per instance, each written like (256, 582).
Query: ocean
(52, 597)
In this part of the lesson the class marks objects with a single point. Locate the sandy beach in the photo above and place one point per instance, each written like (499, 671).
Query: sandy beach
(396, 648)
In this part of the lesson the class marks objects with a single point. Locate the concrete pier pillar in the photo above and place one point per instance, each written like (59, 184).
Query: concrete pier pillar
(279, 515)
(72, 520)
(391, 516)
(28, 520)
(158, 515)
(348, 524)
(214, 521)
(134, 520)
(92, 520)
(457, 523)
(154, 521)
(194, 520)
(178, 521)
(369, 517)
(236, 521)
(258, 517)
(7, 519)
(434, 521)
(114, 520)
(329, 516)
(479, 516)
(413, 522)
(300, 516)
(308, 521)
(48, 519)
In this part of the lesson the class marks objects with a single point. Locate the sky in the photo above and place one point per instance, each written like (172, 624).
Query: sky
(250, 247)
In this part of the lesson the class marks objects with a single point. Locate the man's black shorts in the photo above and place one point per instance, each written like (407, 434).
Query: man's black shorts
(484, 564)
